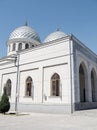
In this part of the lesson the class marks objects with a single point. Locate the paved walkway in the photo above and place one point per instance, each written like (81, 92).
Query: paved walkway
(83, 120)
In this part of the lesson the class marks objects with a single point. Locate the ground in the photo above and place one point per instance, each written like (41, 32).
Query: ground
(82, 120)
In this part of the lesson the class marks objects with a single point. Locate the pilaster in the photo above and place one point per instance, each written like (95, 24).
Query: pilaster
(89, 83)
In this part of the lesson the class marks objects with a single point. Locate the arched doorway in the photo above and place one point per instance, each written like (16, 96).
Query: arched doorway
(82, 82)
(93, 84)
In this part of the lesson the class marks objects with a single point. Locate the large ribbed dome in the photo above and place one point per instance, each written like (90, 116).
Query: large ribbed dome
(24, 32)
(54, 36)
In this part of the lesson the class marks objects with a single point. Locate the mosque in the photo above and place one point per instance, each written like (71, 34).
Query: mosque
(58, 75)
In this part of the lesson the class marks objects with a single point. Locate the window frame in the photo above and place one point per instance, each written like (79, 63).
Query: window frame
(8, 87)
(19, 46)
(26, 87)
(55, 82)
(27, 46)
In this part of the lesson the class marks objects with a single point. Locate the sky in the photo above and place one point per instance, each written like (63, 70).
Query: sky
(77, 17)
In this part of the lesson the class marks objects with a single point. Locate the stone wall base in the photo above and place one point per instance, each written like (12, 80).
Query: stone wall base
(42, 108)
(85, 105)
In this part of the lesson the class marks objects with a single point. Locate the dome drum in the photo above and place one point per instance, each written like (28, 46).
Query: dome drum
(25, 40)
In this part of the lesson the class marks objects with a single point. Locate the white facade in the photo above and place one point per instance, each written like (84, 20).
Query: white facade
(60, 54)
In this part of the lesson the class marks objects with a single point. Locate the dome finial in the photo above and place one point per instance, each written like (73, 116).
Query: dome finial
(26, 23)
(58, 29)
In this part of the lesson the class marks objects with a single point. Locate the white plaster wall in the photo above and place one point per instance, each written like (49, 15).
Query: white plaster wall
(40, 63)
(44, 52)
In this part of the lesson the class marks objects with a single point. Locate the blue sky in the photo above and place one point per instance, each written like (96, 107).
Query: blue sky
(78, 17)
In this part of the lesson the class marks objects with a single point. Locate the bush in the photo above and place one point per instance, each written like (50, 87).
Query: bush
(4, 103)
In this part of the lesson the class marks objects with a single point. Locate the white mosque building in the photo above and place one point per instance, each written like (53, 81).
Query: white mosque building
(56, 76)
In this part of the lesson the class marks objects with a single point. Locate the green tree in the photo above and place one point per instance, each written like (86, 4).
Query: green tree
(4, 103)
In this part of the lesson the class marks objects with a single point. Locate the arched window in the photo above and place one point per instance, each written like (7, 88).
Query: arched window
(8, 87)
(26, 46)
(93, 84)
(55, 85)
(28, 86)
(20, 46)
(32, 45)
(82, 82)
(14, 47)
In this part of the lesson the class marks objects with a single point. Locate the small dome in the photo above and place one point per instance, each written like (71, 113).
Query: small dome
(24, 32)
(54, 36)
